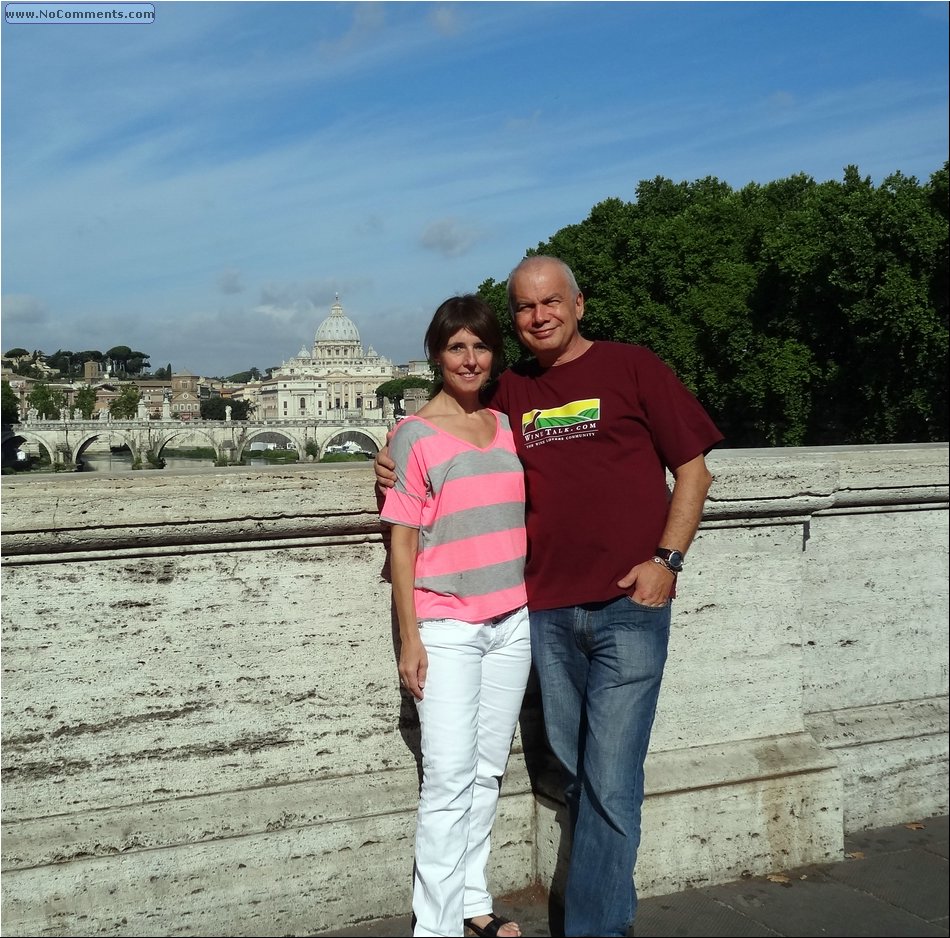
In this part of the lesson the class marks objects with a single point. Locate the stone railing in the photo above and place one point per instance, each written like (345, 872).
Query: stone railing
(203, 732)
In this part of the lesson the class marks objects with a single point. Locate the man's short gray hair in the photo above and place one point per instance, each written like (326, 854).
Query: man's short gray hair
(541, 259)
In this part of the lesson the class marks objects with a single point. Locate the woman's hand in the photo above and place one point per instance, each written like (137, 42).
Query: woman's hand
(413, 665)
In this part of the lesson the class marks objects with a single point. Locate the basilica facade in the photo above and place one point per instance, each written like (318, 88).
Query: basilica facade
(333, 380)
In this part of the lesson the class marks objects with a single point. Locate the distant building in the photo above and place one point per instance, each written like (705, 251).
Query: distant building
(186, 396)
(333, 380)
(152, 393)
(414, 399)
(92, 372)
(417, 368)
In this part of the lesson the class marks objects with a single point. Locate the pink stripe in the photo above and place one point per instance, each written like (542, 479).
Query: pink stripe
(478, 491)
(441, 447)
(402, 509)
(472, 553)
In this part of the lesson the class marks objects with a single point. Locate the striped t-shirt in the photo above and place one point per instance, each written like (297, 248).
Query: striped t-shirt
(468, 504)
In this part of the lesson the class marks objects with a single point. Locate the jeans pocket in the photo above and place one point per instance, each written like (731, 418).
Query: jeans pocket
(659, 608)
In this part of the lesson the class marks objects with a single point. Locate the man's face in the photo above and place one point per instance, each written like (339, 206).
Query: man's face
(546, 311)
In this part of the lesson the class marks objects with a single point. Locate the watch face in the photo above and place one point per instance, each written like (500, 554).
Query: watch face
(673, 558)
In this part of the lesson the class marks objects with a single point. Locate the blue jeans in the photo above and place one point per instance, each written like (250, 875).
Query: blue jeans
(600, 666)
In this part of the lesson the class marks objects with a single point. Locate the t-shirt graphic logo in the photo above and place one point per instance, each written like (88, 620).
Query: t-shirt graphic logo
(564, 416)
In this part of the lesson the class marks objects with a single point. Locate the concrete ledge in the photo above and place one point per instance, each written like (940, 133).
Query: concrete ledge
(892, 757)
(203, 732)
(300, 876)
(713, 813)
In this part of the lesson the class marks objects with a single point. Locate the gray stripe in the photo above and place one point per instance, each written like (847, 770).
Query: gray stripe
(472, 464)
(461, 525)
(464, 465)
(468, 583)
(401, 446)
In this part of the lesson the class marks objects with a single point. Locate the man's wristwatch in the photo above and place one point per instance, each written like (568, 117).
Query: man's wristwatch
(671, 559)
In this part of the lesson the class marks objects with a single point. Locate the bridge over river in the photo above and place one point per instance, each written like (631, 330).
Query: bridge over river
(64, 441)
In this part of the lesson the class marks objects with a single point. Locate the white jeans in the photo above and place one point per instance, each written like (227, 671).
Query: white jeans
(473, 693)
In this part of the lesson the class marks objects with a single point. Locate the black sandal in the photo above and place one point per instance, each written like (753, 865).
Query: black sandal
(491, 929)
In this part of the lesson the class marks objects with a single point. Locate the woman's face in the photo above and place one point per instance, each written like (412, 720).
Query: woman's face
(466, 363)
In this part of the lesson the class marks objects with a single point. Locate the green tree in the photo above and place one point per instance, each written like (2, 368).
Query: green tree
(80, 359)
(26, 365)
(214, 408)
(496, 295)
(119, 355)
(16, 353)
(857, 273)
(10, 410)
(125, 361)
(243, 377)
(125, 405)
(395, 389)
(47, 400)
(136, 363)
(62, 361)
(86, 400)
(798, 312)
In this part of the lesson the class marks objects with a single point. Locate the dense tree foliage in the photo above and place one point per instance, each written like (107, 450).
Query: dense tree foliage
(215, 408)
(126, 405)
(63, 362)
(10, 410)
(69, 364)
(26, 364)
(800, 313)
(395, 389)
(48, 401)
(125, 361)
(86, 400)
(243, 377)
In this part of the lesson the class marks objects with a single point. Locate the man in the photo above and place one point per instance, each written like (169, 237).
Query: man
(597, 425)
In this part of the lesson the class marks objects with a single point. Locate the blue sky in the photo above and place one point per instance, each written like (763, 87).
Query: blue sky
(200, 188)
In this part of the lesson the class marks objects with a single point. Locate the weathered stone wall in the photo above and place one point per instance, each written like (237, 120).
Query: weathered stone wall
(203, 733)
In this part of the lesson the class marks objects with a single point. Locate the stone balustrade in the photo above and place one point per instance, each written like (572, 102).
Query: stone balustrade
(203, 732)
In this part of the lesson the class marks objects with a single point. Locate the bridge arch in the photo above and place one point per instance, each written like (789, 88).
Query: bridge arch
(166, 436)
(299, 440)
(87, 439)
(34, 439)
(366, 441)
(66, 440)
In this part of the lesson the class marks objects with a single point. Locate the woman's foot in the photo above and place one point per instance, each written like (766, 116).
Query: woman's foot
(493, 926)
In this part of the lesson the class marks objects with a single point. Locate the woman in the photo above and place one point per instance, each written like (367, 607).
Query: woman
(457, 564)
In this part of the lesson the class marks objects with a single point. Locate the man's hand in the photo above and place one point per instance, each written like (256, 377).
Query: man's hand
(648, 583)
(384, 467)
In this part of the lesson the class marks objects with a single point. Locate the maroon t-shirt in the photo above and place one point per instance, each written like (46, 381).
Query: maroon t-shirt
(596, 436)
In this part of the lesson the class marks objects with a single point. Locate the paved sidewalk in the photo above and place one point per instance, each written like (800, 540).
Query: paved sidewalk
(893, 882)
